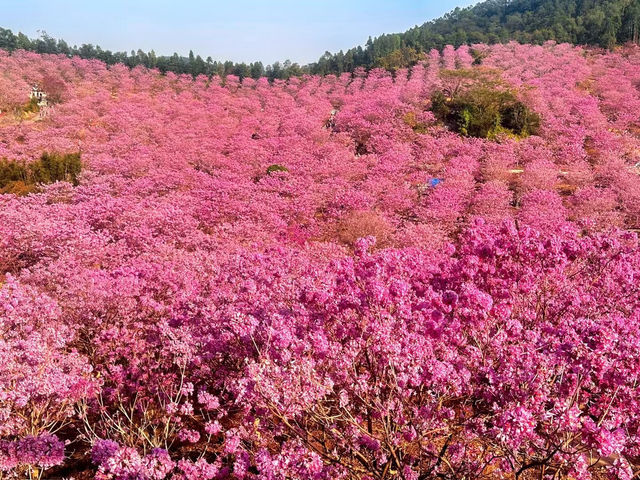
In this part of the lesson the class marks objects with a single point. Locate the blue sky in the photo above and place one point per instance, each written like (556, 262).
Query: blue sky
(238, 30)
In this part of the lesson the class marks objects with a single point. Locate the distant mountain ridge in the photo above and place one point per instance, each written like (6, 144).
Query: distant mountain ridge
(603, 23)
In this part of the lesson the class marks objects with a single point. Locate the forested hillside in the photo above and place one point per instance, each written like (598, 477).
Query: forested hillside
(192, 64)
(604, 23)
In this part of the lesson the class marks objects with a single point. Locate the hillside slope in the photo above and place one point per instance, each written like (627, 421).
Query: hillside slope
(604, 23)
(316, 279)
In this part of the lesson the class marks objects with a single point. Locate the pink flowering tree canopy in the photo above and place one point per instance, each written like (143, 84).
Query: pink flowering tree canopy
(319, 278)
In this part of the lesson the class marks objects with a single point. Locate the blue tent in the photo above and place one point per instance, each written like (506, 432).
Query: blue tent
(434, 182)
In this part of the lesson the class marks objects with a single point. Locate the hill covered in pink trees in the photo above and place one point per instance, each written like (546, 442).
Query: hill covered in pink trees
(317, 279)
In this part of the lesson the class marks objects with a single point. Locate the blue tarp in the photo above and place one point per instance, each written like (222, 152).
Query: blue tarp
(434, 182)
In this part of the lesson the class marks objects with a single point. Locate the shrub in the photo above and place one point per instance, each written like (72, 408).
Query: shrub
(21, 178)
(399, 59)
(54, 167)
(12, 172)
(478, 56)
(361, 224)
(477, 105)
(276, 168)
(41, 379)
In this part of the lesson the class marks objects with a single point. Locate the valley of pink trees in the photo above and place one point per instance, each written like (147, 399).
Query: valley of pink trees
(315, 280)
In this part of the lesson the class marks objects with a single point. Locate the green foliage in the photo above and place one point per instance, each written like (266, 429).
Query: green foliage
(12, 172)
(398, 59)
(22, 177)
(475, 104)
(276, 168)
(478, 56)
(53, 167)
(603, 23)
(518, 118)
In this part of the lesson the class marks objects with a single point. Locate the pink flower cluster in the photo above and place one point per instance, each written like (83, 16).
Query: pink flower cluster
(389, 300)
(44, 450)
